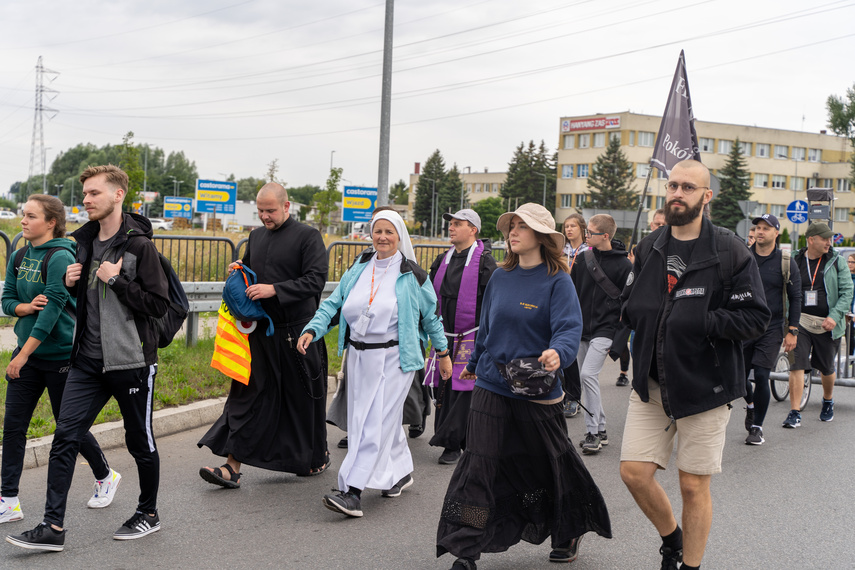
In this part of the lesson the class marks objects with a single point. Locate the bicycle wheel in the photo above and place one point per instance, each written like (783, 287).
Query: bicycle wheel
(781, 388)
(806, 391)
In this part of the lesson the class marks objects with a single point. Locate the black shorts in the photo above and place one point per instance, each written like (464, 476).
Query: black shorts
(815, 351)
(763, 351)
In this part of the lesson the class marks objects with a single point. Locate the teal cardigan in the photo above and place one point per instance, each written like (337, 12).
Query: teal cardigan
(417, 319)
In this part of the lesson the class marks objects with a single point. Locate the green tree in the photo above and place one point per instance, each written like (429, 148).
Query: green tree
(432, 178)
(399, 193)
(530, 167)
(841, 120)
(610, 182)
(326, 201)
(489, 209)
(247, 188)
(303, 194)
(735, 184)
(129, 161)
(448, 193)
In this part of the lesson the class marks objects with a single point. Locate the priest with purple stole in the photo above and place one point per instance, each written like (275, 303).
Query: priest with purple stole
(459, 278)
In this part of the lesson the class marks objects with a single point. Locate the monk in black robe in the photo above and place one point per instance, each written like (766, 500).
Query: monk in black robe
(277, 421)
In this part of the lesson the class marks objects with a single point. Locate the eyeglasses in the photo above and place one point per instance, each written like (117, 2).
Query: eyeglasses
(590, 233)
(688, 189)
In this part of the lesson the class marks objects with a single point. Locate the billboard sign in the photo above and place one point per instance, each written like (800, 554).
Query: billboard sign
(177, 207)
(216, 196)
(358, 203)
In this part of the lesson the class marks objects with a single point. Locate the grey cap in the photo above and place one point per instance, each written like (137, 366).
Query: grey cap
(466, 214)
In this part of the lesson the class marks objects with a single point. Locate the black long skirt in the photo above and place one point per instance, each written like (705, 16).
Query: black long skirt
(520, 478)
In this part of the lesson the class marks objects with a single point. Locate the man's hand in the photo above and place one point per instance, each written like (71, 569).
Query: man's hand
(790, 341)
(72, 274)
(107, 270)
(829, 324)
(234, 265)
(303, 342)
(445, 367)
(260, 291)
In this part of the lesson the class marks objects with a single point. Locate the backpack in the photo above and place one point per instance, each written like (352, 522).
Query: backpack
(169, 324)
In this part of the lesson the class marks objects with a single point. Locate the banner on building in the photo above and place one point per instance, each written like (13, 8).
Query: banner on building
(677, 139)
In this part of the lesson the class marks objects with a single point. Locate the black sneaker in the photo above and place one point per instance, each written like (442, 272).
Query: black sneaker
(567, 553)
(449, 457)
(398, 488)
(604, 437)
(416, 430)
(138, 526)
(345, 503)
(43, 537)
(755, 436)
(592, 444)
(464, 564)
(622, 380)
(794, 420)
(342, 444)
(749, 418)
(670, 558)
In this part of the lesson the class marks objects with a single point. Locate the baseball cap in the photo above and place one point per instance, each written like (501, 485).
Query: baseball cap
(820, 229)
(769, 219)
(466, 214)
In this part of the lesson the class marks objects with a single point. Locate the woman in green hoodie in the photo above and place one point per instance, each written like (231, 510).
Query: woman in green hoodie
(44, 329)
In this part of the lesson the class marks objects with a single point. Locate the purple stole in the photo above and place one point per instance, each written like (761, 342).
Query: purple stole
(462, 339)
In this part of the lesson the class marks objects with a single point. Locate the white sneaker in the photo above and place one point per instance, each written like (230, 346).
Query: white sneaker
(105, 491)
(10, 510)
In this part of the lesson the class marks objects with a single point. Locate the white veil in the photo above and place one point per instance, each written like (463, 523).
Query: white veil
(405, 246)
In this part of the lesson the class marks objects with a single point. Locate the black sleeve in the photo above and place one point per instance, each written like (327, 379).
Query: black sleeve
(794, 294)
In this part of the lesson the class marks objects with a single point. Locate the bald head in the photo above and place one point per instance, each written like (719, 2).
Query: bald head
(273, 190)
(699, 172)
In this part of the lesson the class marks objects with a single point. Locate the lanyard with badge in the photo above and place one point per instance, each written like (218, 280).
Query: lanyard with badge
(361, 326)
(811, 297)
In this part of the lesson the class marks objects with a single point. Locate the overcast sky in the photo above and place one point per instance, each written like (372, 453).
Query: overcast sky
(235, 84)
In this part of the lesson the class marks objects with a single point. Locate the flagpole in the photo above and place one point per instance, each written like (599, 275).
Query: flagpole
(640, 206)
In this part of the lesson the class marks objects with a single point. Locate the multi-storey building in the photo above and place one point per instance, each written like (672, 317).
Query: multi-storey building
(475, 186)
(782, 163)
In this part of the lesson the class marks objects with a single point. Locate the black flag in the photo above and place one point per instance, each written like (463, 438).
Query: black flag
(677, 139)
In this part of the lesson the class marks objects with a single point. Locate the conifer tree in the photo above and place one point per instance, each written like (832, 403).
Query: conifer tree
(432, 178)
(735, 184)
(610, 181)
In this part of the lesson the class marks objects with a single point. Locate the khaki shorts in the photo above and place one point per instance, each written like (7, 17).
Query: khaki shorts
(700, 438)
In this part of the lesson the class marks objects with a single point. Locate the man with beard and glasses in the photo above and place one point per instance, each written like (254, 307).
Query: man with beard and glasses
(693, 295)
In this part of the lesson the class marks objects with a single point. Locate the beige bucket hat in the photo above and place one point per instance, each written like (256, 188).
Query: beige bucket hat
(536, 217)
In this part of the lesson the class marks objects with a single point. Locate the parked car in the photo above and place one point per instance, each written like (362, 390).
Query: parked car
(7, 215)
(160, 224)
(77, 218)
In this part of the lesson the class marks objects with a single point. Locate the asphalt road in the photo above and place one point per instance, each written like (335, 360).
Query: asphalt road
(785, 505)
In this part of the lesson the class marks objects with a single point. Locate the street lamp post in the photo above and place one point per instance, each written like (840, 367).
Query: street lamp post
(795, 197)
(463, 185)
(58, 188)
(332, 152)
(544, 187)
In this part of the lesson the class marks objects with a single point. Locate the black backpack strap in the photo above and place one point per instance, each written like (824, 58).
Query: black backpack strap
(725, 255)
(45, 261)
(19, 258)
(599, 275)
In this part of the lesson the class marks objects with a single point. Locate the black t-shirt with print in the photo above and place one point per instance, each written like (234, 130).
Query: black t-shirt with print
(808, 269)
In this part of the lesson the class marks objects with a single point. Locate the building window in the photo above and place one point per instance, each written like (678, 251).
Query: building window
(645, 138)
(631, 138)
(841, 214)
(843, 185)
(745, 148)
(761, 180)
(779, 181)
(581, 171)
(724, 147)
(581, 199)
(798, 153)
(797, 183)
(567, 171)
(761, 150)
(477, 188)
(778, 210)
(641, 170)
(614, 135)
(660, 202)
(584, 141)
(814, 155)
(569, 141)
(819, 182)
(706, 145)
(495, 188)
(567, 200)
(599, 140)
(780, 151)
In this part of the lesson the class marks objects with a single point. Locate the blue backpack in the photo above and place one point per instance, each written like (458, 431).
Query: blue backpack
(241, 306)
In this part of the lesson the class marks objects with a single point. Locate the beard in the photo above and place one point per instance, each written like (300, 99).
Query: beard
(95, 216)
(687, 216)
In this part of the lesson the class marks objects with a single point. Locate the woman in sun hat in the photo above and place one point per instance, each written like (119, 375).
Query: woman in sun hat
(520, 477)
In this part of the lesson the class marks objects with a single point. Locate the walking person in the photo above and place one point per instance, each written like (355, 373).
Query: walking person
(574, 230)
(386, 305)
(694, 293)
(782, 286)
(44, 330)
(520, 477)
(114, 353)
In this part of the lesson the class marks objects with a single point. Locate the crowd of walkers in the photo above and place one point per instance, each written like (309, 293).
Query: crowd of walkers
(515, 348)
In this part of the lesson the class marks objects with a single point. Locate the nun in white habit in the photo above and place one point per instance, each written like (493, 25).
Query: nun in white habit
(387, 305)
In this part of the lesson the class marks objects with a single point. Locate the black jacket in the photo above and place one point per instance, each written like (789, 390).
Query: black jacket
(601, 313)
(141, 292)
(696, 329)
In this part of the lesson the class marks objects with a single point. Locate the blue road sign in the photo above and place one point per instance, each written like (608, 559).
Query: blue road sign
(838, 239)
(216, 196)
(797, 211)
(175, 207)
(358, 204)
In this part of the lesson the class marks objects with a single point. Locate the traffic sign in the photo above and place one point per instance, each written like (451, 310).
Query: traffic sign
(216, 196)
(177, 207)
(797, 211)
(358, 203)
(748, 207)
(838, 239)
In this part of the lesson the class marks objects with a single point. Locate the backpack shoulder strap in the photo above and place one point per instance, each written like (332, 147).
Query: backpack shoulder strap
(723, 244)
(19, 258)
(599, 275)
(45, 261)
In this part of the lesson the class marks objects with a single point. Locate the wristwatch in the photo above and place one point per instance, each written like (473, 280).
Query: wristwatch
(794, 332)
(112, 280)
(443, 355)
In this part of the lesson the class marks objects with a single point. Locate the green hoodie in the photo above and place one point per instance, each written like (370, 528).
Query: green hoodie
(53, 325)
